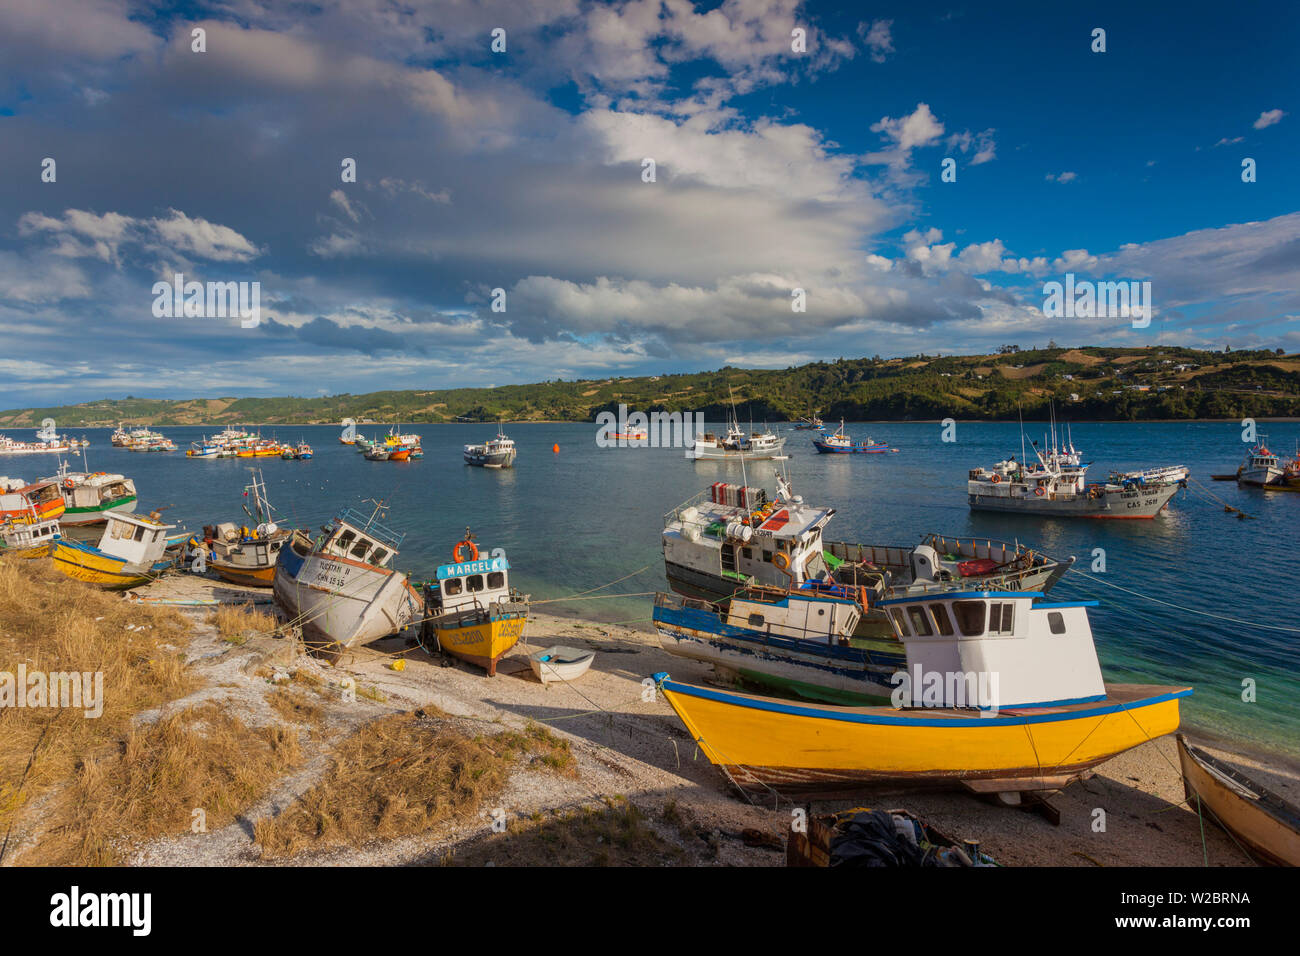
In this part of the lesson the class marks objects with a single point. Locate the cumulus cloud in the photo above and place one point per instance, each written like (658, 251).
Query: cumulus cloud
(1066, 177)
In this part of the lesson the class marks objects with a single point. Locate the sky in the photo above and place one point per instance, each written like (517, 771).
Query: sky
(500, 227)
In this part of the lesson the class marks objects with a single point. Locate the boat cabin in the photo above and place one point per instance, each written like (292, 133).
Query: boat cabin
(1026, 652)
(469, 585)
(805, 616)
(136, 540)
(19, 535)
(743, 536)
(357, 538)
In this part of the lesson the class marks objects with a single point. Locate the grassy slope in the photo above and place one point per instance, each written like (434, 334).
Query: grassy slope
(1256, 383)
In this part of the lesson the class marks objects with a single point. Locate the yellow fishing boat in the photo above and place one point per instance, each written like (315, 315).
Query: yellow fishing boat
(1001, 691)
(131, 551)
(471, 612)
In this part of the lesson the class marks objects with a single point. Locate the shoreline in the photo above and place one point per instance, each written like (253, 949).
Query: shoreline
(635, 752)
(1281, 419)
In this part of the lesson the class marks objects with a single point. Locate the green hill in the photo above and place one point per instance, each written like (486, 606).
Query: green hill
(1123, 384)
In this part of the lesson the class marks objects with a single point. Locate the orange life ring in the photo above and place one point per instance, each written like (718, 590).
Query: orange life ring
(69, 483)
(995, 478)
(473, 550)
(862, 597)
(781, 560)
(1039, 491)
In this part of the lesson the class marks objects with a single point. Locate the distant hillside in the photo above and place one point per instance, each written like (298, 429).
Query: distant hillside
(1123, 384)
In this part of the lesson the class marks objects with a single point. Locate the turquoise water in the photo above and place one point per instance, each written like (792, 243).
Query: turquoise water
(586, 516)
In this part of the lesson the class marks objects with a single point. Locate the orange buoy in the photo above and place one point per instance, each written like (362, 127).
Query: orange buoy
(556, 448)
(473, 550)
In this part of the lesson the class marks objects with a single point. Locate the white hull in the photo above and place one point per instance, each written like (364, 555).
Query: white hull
(343, 603)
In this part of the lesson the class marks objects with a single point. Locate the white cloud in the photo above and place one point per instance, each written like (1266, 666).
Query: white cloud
(1066, 177)
(1269, 118)
(919, 128)
(877, 38)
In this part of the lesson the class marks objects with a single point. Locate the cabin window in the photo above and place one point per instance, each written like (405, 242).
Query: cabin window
(139, 534)
(362, 546)
(941, 619)
(275, 546)
(1000, 618)
(970, 617)
(900, 622)
(756, 620)
(748, 553)
(767, 555)
(920, 623)
(1056, 621)
(496, 579)
(379, 556)
(451, 586)
(344, 540)
(474, 582)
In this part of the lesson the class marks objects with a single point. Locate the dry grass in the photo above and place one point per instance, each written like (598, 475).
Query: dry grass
(402, 775)
(199, 759)
(237, 623)
(295, 707)
(51, 623)
(616, 834)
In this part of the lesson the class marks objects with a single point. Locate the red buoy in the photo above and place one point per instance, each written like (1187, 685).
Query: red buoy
(556, 448)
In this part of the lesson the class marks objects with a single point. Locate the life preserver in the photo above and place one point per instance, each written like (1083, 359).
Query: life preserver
(1039, 491)
(862, 597)
(996, 478)
(473, 550)
(69, 483)
(781, 560)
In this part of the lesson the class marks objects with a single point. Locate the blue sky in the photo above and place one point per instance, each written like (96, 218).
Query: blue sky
(522, 171)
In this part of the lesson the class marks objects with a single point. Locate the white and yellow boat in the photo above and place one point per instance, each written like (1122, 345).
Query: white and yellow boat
(27, 539)
(131, 551)
(1001, 692)
(471, 610)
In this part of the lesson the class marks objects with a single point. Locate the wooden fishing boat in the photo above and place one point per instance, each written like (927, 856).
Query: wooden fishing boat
(247, 554)
(471, 612)
(39, 501)
(131, 551)
(999, 692)
(733, 536)
(560, 664)
(343, 589)
(27, 539)
(88, 496)
(1263, 822)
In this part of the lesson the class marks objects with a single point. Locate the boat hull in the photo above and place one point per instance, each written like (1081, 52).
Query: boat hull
(1129, 503)
(84, 563)
(504, 459)
(94, 514)
(1268, 827)
(481, 638)
(338, 602)
(766, 742)
(263, 577)
(560, 664)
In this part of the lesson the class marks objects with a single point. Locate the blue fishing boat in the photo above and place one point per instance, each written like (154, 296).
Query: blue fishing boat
(798, 642)
(841, 444)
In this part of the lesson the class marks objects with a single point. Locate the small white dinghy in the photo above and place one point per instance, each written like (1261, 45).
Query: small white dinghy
(560, 663)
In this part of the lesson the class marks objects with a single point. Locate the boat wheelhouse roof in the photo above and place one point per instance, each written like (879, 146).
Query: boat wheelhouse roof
(140, 521)
(367, 525)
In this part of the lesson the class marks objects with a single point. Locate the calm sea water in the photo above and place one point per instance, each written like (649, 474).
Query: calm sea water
(583, 517)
